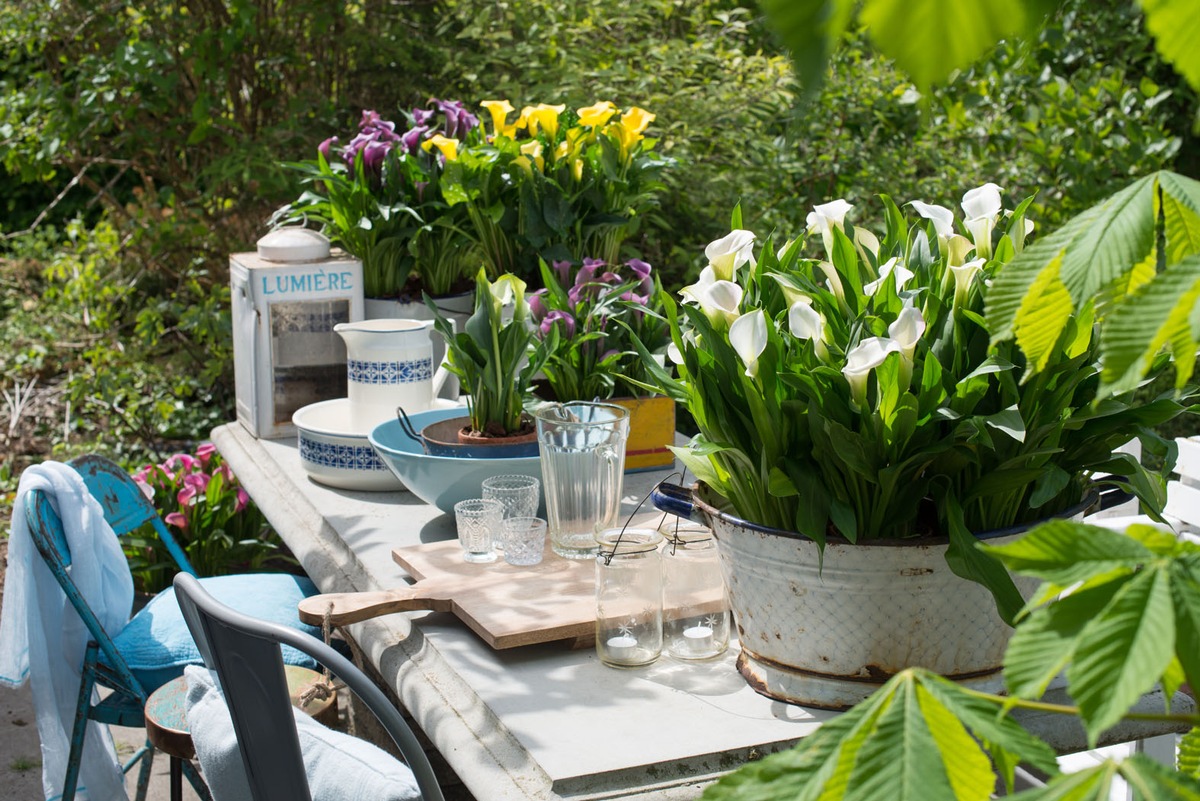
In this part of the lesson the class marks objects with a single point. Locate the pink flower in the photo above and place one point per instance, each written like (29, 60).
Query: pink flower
(146, 489)
(176, 519)
(199, 481)
(187, 495)
(224, 471)
(205, 452)
(243, 500)
(179, 460)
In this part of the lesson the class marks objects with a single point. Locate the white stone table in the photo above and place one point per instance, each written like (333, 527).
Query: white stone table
(537, 722)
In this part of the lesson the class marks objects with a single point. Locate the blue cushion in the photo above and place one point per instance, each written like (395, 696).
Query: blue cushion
(156, 643)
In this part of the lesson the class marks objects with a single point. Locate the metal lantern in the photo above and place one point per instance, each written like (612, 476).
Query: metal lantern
(286, 299)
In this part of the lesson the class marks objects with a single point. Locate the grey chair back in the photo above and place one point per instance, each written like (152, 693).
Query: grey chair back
(245, 654)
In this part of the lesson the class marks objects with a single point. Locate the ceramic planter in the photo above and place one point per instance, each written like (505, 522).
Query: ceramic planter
(651, 430)
(828, 634)
(456, 307)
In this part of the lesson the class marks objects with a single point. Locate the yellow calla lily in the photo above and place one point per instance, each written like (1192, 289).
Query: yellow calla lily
(499, 109)
(533, 149)
(596, 115)
(547, 118)
(447, 146)
(524, 163)
(577, 169)
(528, 120)
(636, 120)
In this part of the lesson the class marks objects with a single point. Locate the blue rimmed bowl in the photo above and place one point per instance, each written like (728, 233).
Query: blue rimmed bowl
(334, 454)
(441, 480)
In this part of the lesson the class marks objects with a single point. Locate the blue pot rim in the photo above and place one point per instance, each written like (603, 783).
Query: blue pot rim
(711, 511)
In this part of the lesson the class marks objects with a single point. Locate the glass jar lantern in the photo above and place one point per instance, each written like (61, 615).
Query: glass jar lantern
(695, 606)
(628, 597)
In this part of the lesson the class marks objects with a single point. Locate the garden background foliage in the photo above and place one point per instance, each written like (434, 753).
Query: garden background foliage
(141, 143)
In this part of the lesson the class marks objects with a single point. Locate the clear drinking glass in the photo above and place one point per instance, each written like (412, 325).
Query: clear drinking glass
(524, 540)
(629, 613)
(478, 521)
(519, 494)
(582, 448)
(695, 607)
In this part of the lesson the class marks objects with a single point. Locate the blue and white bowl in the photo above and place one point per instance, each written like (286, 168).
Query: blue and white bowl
(441, 480)
(334, 454)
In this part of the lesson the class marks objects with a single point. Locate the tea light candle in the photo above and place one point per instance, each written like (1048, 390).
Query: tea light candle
(698, 639)
(621, 646)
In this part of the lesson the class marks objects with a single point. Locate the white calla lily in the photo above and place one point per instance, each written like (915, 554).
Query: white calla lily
(861, 360)
(673, 353)
(719, 301)
(866, 242)
(981, 233)
(906, 330)
(692, 292)
(903, 275)
(825, 217)
(964, 274)
(835, 282)
(982, 206)
(748, 335)
(982, 201)
(806, 323)
(942, 217)
(730, 252)
(957, 248)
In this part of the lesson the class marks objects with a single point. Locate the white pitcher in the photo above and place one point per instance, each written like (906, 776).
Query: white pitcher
(389, 363)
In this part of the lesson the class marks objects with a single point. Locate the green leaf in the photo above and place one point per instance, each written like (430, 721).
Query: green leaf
(901, 760)
(1176, 28)
(1123, 651)
(1065, 552)
(1152, 781)
(1188, 761)
(969, 561)
(810, 30)
(1092, 784)
(1159, 314)
(1185, 596)
(1044, 643)
(932, 39)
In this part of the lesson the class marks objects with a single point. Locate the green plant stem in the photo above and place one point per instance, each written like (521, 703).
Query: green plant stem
(1074, 711)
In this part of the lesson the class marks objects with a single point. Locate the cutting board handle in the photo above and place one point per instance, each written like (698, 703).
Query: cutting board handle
(354, 607)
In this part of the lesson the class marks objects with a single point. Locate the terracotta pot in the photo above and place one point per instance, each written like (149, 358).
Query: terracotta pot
(828, 631)
(453, 438)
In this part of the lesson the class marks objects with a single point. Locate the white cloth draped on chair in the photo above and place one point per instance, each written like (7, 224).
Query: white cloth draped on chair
(42, 639)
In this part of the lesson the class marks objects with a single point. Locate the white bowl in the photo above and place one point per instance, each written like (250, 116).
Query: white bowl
(441, 480)
(334, 454)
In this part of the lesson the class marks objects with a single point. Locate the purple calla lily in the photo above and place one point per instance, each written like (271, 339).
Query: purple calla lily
(537, 307)
(326, 147)
(568, 329)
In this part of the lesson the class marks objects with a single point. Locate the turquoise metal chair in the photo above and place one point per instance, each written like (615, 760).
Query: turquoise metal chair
(107, 657)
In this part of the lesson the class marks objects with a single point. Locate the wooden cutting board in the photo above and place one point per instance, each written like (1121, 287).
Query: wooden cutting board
(504, 604)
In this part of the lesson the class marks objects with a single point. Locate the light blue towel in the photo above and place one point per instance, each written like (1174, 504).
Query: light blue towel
(43, 639)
